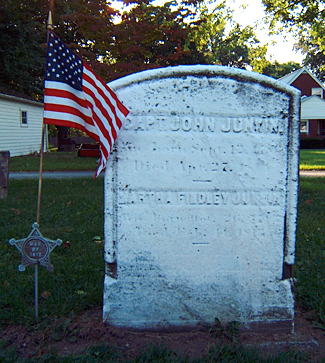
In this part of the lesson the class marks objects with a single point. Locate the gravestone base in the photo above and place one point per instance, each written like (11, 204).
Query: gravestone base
(201, 200)
(269, 327)
(157, 303)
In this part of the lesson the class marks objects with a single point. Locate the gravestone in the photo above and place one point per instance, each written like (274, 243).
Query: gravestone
(200, 200)
(4, 173)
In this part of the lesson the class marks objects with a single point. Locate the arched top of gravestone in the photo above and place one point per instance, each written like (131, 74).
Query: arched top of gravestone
(203, 71)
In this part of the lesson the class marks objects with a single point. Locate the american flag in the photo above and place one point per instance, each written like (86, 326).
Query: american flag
(76, 97)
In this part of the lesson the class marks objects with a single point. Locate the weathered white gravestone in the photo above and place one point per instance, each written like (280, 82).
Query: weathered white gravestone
(200, 199)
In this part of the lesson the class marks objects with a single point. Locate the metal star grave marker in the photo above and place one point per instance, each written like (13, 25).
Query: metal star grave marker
(35, 249)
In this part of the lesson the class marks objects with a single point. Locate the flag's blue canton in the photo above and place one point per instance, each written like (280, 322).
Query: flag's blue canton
(62, 64)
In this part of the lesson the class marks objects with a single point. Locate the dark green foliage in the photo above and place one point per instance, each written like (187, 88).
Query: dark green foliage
(221, 40)
(292, 12)
(233, 51)
(22, 51)
(306, 19)
(151, 36)
(115, 44)
(147, 36)
(278, 70)
(315, 56)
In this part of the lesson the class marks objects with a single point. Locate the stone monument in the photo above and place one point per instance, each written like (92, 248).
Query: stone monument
(200, 199)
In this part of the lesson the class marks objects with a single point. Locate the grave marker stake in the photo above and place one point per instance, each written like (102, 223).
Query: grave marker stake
(35, 250)
(36, 292)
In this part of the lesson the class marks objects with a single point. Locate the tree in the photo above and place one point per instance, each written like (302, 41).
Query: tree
(147, 36)
(314, 58)
(294, 12)
(22, 46)
(306, 19)
(273, 69)
(223, 41)
(150, 36)
(115, 44)
(278, 70)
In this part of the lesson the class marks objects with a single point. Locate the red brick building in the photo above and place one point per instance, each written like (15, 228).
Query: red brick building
(312, 124)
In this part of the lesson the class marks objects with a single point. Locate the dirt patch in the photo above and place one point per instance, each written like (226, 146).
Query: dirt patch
(75, 335)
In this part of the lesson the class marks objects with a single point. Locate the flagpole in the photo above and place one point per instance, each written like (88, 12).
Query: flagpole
(40, 177)
(49, 28)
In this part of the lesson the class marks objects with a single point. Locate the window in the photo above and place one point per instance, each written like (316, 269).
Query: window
(23, 118)
(317, 92)
(304, 126)
(321, 127)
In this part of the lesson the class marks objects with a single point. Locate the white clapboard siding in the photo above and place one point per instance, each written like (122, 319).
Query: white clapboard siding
(17, 138)
(312, 108)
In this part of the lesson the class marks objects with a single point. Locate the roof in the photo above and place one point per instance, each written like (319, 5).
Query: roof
(291, 77)
(312, 108)
(21, 100)
(5, 90)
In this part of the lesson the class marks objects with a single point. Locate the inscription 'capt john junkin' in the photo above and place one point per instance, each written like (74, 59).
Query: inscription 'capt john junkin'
(251, 124)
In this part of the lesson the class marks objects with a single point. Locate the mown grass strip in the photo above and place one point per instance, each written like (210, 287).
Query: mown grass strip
(312, 160)
(53, 161)
(69, 161)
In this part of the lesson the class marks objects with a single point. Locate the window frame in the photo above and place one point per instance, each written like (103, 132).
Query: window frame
(321, 131)
(23, 118)
(317, 91)
(307, 127)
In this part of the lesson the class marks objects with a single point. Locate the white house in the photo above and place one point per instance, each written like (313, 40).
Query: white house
(20, 125)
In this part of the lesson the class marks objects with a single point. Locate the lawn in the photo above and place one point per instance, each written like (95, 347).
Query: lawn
(69, 161)
(72, 210)
(60, 161)
(310, 247)
(312, 159)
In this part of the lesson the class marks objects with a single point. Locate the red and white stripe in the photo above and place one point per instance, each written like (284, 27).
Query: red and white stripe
(95, 110)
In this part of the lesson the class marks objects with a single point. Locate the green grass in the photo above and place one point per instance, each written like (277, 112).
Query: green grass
(159, 354)
(60, 161)
(73, 211)
(310, 247)
(312, 160)
(68, 161)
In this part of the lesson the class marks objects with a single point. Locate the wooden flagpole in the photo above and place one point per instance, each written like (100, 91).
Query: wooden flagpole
(49, 28)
